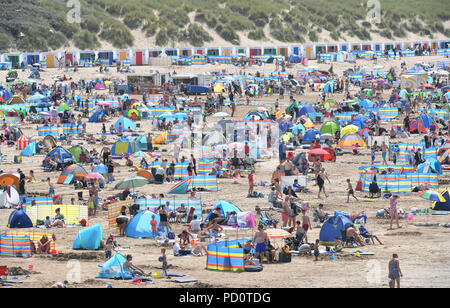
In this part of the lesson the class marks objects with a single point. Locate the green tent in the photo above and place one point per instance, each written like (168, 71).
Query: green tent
(63, 107)
(328, 104)
(330, 128)
(134, 114)
(76, 151)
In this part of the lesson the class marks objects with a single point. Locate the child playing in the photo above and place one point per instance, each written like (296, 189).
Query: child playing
(350, 190)
(154, 225)
(163, 259)
(316, 250)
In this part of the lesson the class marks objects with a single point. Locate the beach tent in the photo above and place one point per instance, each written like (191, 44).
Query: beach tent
(37, 98)
(50, 142)
(254, 115)
(112, 269)
(214, 138)
(77, 151)
(9, 197)
(29, 150)
(427, 120)
(15, 99)
(140, 143)
(330, 128)
(443, 206)
(15, 245)
(349, 129)
(22, 142)
(72, 172)
(310, 135)
(305, 110)
(63, 107)
(140, 227)
(160, 139)
(297, 128)
(431, 165)
(89, 238)
(351, 140)
(181, 187)
(123, 146)
(19, 219)
(61, 154)
(134, 114)
(101, 168)
(226, 256)
(224, 207)
(98, 116)
(332, 228)
(127, 124)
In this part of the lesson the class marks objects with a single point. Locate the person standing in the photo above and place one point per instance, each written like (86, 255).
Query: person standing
(384, 152)
(51, 188)
(286, 207)
(321, 176)
(394, 271)
(194, 164)
(250, 183)
(261, 242)
(393, 211)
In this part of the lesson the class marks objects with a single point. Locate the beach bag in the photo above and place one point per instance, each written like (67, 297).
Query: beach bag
(284, 257)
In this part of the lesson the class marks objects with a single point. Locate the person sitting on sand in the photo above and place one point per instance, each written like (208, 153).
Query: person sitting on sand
(366, 234)
(215, 229)
(305, 249)
(185, 237)
(59, 219)
(44, 245)
(129, 267)
(178, 252)
(199, 250)
(351, 233)
(337, 245)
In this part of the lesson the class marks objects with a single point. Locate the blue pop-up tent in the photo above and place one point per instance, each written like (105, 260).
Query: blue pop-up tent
(113, 269)
(332, 228)
(89, 238)
(139, 226)
(225, 207)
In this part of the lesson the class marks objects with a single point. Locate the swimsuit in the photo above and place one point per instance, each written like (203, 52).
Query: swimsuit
(261, 247)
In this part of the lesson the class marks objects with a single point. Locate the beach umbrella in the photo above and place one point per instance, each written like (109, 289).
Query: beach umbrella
(278, 233)
(95, 176)
(131, 182)
(431, 195)
(140, 154)
(318, 152)
(221, 115)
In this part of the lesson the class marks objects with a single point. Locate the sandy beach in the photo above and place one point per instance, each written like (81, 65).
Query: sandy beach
(423, 251)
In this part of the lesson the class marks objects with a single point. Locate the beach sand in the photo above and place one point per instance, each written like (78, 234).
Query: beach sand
(423, 251)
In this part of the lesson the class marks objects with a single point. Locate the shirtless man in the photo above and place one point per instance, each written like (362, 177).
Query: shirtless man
(350, 191)
(105, 154)
(261, 241)
(384, 152)
(351, 233)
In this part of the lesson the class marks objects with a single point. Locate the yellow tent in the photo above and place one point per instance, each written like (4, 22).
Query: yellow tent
(16, 99)
(308, 125)
(349, 129)
(218, 88)
(160, 139)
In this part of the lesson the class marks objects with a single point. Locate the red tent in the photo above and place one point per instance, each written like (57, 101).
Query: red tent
(22, 142)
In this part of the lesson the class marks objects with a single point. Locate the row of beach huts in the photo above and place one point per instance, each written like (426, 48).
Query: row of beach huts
(149, 56)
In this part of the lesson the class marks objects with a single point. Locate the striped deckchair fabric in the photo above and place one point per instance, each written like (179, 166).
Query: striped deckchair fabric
(157, 111)
(114, 212)
(39, 201)
(206, 182)
(387, 114)
(181, 170)
(343, 117)
(152, 204)
(205, 166)
(220, 59)
(15, 245)
(72, 213)
(226, 256)
(397, 168)
(72, 129)
(34, 237)
(400, 183)
(48, 131)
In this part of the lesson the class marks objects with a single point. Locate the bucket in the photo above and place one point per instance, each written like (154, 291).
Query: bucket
(157, 275)
(17, 159)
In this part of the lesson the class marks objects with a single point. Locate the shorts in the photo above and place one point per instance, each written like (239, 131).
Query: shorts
(316, 253)
(284, 217)
(383, 154)
(91, 204)
(107, 254)
(305, 227)
(261, 247)
(351, 192)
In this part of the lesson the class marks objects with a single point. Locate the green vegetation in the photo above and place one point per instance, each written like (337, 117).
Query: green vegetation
(41, 25)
